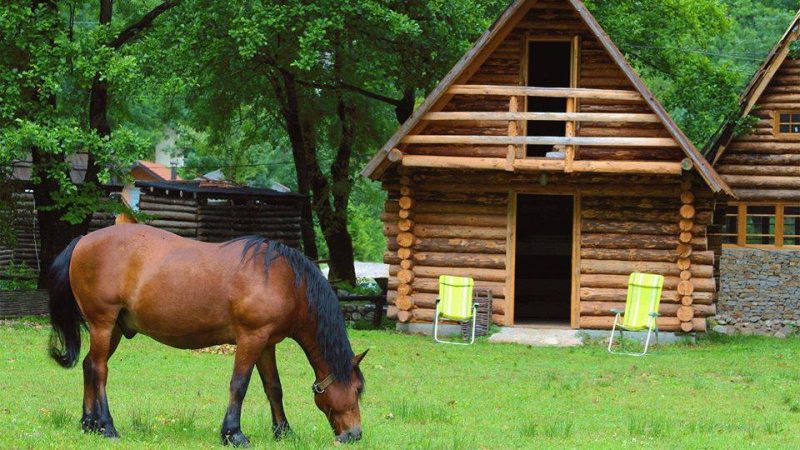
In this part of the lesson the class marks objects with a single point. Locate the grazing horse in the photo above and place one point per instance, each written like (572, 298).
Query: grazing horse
(130, 279)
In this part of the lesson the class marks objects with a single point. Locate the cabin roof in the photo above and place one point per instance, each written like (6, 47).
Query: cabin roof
(378, 164)
(754, 89)
(214, 189)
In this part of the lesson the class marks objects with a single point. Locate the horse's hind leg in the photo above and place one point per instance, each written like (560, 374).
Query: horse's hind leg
(268, 371)
(247, 352)
(96, 415)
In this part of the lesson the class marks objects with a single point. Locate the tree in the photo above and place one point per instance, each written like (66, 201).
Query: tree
(337, 76)
(50, 72)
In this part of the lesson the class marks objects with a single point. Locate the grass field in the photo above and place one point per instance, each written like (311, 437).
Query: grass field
(722, 393)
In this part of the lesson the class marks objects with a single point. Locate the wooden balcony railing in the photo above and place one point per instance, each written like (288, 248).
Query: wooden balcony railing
(515, 160)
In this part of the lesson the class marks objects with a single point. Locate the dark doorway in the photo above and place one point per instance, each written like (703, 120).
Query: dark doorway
(549, 65)
(543, 277)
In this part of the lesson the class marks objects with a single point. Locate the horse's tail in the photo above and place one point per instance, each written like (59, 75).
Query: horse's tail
(65, 316)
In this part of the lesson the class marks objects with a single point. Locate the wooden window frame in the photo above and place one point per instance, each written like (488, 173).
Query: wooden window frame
(741, 232)
(776, 124)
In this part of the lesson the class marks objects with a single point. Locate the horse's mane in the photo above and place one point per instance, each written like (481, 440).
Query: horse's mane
(322, 301)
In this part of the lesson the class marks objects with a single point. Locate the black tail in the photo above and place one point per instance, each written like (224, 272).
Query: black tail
(65, 316)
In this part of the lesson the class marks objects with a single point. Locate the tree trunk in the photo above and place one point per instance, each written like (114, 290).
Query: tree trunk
(286, 90)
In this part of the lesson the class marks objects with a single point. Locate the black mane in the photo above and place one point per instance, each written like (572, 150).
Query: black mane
(331, 332)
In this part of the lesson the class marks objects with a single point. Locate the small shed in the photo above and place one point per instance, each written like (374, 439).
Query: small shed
(217, 212)
(544, 168)
(760, 231)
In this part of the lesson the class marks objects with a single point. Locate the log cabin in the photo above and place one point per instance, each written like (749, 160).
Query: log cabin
(757, 152)
(544, 168)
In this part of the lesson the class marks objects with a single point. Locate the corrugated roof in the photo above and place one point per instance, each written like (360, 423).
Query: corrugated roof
(214, 189)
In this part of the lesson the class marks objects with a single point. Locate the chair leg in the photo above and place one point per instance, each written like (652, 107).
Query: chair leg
(613, 330)
(436, 325)
(474, 321)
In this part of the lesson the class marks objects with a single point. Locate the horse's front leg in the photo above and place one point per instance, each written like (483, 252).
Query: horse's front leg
(247, 354)
(268, 371)
(103, 341)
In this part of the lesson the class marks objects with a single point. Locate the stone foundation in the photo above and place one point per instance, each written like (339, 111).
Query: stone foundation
(356, 312)
(759, 291)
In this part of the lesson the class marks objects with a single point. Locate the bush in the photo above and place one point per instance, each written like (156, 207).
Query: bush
(18, 277)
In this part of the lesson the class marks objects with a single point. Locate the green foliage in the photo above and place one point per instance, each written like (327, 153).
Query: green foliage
(18, 277)
(670, 44)
(46, 70)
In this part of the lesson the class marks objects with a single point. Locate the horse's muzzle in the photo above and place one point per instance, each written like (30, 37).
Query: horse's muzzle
(350, 435)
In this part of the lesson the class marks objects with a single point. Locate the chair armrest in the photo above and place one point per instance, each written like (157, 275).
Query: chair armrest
(616, 311)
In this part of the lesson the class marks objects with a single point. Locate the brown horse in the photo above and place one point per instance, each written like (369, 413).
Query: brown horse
(129, 279)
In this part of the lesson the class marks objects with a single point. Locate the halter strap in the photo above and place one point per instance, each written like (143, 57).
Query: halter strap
(319, 387)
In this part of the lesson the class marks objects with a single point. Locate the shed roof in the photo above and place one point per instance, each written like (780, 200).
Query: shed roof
(754, 89)
(222, 190)
(507, 20)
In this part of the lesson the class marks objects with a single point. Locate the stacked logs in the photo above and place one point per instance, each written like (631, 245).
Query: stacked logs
(403, 300)
(176, 214)
(653, 235)
(222, 220)
(685, 312)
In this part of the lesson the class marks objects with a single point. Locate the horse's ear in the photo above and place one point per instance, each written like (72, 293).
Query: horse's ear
(357, 358)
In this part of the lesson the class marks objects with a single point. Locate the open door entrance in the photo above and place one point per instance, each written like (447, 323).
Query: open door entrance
(543, 266)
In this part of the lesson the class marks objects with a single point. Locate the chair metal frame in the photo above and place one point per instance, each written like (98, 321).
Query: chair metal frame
(436, 326)
(651, 327)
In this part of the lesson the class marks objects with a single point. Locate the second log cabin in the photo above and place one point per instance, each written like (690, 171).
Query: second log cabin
(544, 168)
(757, 152)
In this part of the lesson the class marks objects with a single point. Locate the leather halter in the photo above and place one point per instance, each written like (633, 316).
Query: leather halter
(319, 387)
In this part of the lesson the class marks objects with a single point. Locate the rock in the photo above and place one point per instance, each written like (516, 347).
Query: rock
(721, 329)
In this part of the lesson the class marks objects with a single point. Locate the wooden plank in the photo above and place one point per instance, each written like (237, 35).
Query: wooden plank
(542, 116)
(511, 257)
(531, 91)
(575, 316)
(543, 164)
(665, 168)
(541, 140)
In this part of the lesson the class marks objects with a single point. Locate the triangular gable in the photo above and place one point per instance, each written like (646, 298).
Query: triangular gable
(752, 93)
(483, 49)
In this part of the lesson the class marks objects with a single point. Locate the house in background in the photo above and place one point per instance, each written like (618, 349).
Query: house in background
(544, 168)
(145, 171)
(760, 263)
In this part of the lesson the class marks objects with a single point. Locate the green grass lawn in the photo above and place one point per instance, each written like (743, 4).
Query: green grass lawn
(722, 393)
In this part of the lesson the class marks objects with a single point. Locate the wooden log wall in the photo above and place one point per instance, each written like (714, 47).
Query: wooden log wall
(763, 165)
(507, 66)
(174, 213)
(649, 224)
(26, 229)
(273, 218)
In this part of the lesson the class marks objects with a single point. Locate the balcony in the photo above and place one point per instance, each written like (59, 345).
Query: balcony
(565, 160)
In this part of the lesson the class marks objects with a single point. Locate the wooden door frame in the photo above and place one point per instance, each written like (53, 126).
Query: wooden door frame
(511, 250)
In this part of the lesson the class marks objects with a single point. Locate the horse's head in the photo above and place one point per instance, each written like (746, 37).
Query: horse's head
(339, 402)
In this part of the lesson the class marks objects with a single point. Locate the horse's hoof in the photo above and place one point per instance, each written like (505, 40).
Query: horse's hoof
(109, 432)
(236, 439)
(281, 431)
(89, 426)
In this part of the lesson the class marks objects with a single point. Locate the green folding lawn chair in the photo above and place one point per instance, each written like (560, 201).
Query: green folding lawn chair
(455, 303)
(641, 310)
